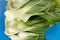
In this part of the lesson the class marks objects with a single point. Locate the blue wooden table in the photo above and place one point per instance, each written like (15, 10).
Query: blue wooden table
(52, 33)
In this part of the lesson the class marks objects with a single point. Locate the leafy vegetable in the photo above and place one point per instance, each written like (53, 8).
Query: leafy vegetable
(29, 19)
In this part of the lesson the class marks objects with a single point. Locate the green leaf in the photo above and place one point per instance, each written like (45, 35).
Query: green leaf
(29, 19)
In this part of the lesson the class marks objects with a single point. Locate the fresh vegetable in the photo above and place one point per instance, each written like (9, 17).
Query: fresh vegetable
(29, 19)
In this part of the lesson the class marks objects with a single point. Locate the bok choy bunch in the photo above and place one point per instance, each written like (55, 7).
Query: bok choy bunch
(29, 19)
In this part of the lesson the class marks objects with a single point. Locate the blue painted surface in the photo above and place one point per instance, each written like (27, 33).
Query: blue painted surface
(52, 34)
(2, 17)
